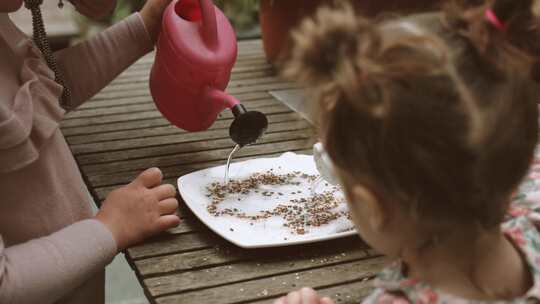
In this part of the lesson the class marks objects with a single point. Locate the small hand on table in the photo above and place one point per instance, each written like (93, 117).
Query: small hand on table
(303, 296)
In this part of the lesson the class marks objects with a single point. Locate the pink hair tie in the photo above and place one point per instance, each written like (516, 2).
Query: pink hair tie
(492, 18)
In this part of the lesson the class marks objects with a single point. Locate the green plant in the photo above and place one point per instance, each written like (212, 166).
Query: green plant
(126, 8)
(242, 13)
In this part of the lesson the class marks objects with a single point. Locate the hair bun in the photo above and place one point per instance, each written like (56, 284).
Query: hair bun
(343, 55)
(332, 51)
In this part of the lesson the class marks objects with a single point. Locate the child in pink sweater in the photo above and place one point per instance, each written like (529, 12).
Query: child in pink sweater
(52, 249)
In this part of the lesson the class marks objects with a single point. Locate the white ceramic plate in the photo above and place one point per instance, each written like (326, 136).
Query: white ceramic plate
(268, 232)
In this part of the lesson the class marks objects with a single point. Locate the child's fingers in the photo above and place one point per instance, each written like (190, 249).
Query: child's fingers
(149, 178)
(309, 296)
(294, 298)
(282, 300)
(168, 206)
(163, 192)
(326, 300)
(167, 222)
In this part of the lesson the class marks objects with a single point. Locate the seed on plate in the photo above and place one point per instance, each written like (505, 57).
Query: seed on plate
(298, 214)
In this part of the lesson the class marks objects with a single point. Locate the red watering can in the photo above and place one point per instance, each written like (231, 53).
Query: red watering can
(195, 54)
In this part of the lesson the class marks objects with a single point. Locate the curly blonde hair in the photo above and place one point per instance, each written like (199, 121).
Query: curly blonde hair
(435, 112)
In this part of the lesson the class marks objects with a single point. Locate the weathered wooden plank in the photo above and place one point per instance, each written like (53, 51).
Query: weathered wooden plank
(111, 110)
(172, 173)
(245, 97)
(254, 56)
(248, 270)
(267, 79)
(245, 47)
(93, 121)
(146, 107)
(273, 286)
(255, 52)
(144, 76)
(113, 127)
(317, 254)
(133, 74)
(254, 60)
(183, 162)
(350, 293)
(171, 149)
(175, 243)
(164, 130)
(232, 91)
(188, 224)
(239, 73)
(192, 152)
(160, 140)
(190, 260)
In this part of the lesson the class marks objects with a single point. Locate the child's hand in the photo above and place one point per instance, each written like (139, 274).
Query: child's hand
(303, 296)
(152, 13)
(140, 209)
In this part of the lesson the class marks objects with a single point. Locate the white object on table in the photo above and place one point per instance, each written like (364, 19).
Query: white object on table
(324, 164)
(267, 232)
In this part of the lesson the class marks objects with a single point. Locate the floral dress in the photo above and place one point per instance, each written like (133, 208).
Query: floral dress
(521, 227)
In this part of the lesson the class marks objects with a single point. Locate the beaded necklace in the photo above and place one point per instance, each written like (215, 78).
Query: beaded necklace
(41, 41)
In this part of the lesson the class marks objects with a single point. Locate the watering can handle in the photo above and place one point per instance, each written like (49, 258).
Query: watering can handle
(209, 26)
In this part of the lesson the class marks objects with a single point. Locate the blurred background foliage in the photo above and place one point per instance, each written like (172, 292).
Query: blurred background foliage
(242, 13)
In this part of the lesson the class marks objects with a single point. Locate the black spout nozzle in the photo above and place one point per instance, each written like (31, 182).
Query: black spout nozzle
(248, 126)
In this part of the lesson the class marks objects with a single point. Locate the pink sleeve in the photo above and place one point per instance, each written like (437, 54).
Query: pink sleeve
(45, 269)
(89, 66)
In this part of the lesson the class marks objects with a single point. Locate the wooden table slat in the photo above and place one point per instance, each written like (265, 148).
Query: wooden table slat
(166, 129)
(237, 90)
(143, 76)
(248, 270)
(147, 99)
(172, 173)
(149, 107)
(141, 155)
(205, 150)
(191, 138)
(202, 157)
(234, 83)
(315, 254)
(274, 286)
(255, 60)
(115, 118)
(347, 293)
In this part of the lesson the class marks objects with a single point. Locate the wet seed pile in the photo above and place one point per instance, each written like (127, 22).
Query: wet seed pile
(299, 214)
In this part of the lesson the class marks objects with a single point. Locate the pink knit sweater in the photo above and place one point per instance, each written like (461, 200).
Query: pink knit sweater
(50, 251)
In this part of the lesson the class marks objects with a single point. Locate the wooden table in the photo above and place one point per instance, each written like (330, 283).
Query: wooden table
(120, 132)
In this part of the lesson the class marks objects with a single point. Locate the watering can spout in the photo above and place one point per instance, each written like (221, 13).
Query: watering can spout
(219, 97)
(209, 24)
(248, 126)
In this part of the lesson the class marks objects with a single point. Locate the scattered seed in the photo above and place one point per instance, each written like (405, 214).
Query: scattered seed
(299, 215)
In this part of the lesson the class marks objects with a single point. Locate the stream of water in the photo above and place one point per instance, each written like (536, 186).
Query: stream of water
(234, 150)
